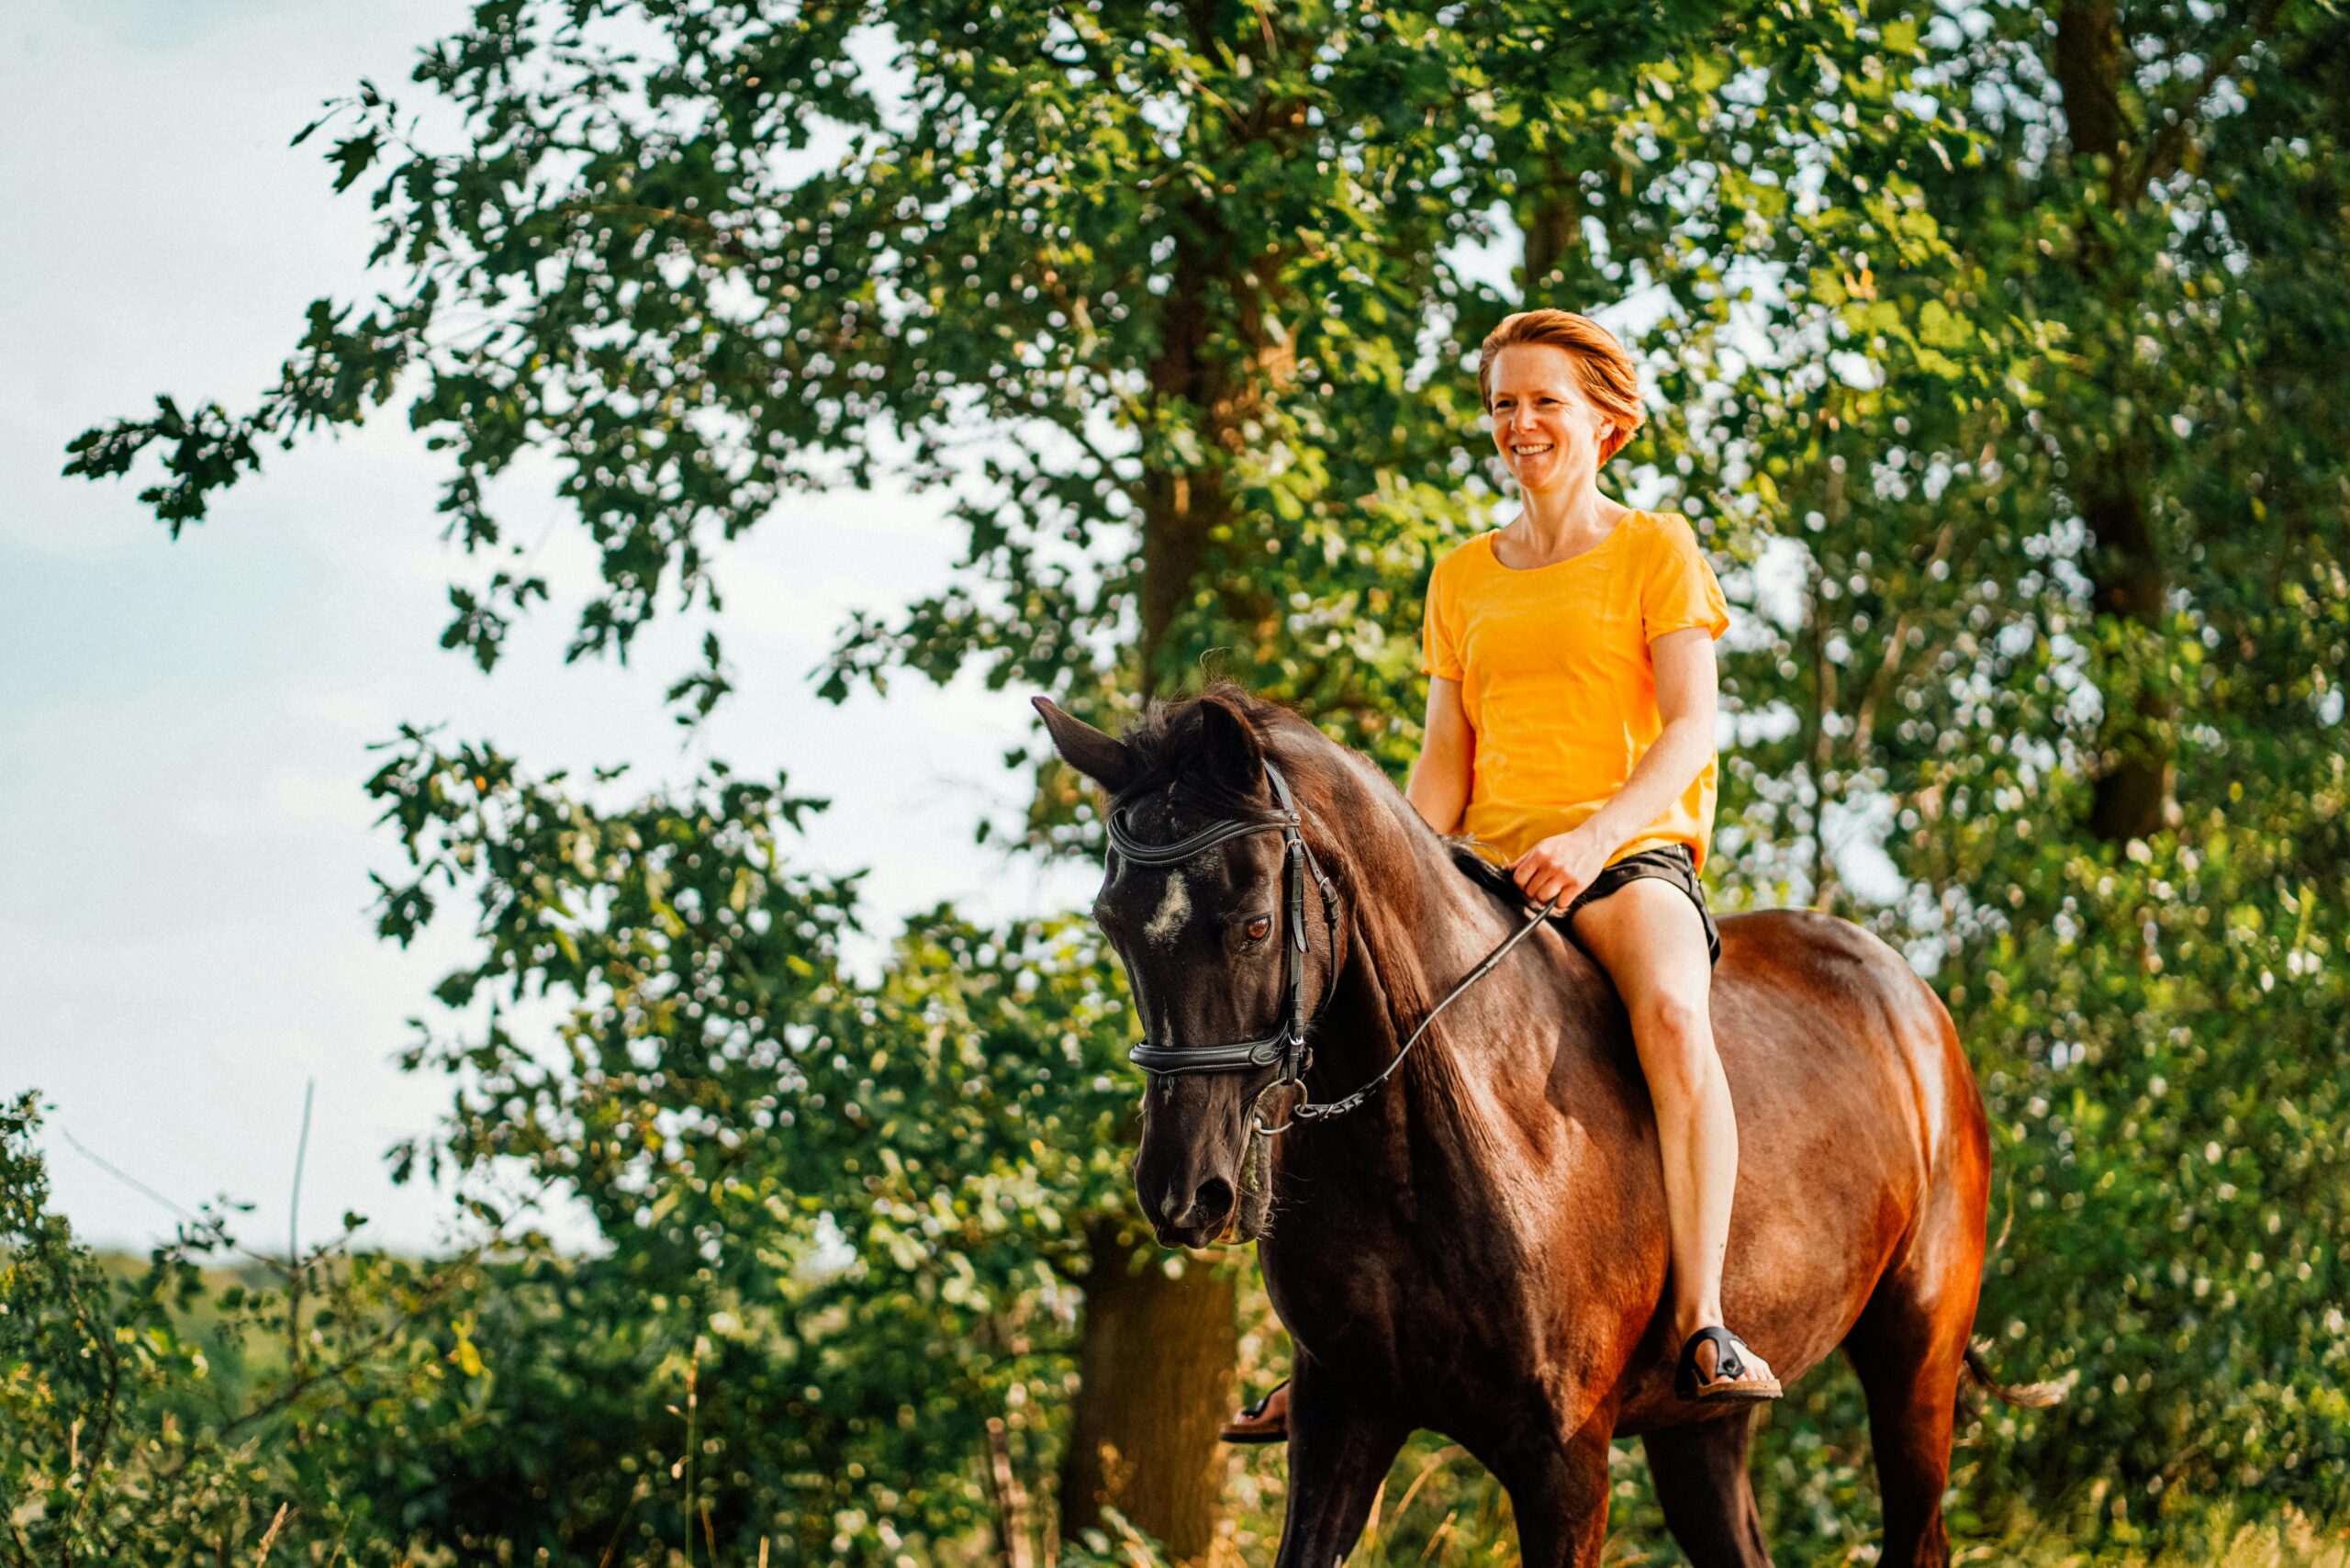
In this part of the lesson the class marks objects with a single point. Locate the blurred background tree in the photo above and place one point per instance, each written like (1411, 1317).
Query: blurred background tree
(2058, 479)
(1994, 349)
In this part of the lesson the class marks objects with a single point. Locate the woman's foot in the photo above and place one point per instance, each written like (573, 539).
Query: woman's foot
(1267, 1421)
(1717, 1367)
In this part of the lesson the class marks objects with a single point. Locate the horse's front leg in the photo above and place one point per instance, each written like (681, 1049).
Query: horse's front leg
(1340, 1444)
(1558, 1489)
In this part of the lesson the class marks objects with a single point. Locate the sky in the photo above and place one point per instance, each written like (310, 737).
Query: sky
(185, 941)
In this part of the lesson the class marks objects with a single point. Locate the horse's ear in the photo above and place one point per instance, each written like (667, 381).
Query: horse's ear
(1229, 750)
(1085, 749)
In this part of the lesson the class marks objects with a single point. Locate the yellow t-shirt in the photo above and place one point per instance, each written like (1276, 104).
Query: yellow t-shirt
(1558, 682)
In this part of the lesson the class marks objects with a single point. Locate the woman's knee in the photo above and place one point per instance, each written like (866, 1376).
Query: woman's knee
(1676, 1038)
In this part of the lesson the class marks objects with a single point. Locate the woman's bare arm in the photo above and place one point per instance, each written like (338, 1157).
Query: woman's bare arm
(1686, 695)
(1439, 786)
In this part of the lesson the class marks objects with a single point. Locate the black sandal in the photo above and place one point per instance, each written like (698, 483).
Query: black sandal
(1260, 1422)
(1717, 1367)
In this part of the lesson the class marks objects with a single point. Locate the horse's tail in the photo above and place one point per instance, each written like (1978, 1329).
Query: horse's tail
(2027, 1396)
(2030, 1396)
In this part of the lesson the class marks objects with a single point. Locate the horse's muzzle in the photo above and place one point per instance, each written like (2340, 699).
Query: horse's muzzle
(1197, 1218)
(1193, 1172)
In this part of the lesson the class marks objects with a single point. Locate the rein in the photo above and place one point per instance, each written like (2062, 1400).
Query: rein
(1286, 1046)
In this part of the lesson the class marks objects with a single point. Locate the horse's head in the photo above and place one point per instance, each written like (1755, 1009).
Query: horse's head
(1205, 948)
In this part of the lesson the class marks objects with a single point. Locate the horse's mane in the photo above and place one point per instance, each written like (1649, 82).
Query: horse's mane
(1163, 744)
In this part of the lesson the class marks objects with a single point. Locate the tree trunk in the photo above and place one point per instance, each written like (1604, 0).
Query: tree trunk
(2088, 74)
(1552, 222)
(2126, 577)
(2133, 771)
(1181, 508)
(1154, 1364)
(1156, 1353)
(1178, 508)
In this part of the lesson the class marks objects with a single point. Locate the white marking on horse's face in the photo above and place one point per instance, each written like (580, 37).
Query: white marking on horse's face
(1174, 909)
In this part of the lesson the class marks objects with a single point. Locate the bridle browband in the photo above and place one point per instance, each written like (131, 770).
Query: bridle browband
(1287, 1046)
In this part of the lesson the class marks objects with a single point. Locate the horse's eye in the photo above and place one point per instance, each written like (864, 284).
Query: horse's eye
(1258, 928)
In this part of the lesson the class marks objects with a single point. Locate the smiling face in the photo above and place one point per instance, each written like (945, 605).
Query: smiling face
(1548, 431)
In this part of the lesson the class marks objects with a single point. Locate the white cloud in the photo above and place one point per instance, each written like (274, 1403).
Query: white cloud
(357, 713)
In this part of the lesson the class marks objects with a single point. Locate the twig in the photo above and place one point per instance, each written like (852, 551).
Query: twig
(1010, 1499)
(104, 1338)
(1446, 1534)
(1436, 1462)
(126, 1179)
(693, 1409)
(294, 1238)
(446, 1282)
(301, 1153)
(606, 1560)
(269, 1536)
(1888, 668)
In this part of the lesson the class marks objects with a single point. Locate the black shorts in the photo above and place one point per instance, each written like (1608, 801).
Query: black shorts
(1671, 864)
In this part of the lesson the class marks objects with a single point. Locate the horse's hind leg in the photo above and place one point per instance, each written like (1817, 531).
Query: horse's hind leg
(1909, 1347)
(1701, 1483)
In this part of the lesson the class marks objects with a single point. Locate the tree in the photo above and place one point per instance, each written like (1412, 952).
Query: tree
(2056, 467)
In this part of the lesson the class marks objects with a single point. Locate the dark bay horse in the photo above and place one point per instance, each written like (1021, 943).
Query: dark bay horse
(1479, 1247)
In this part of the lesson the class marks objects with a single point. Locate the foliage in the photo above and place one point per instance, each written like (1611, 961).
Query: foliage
(178, 1413)
(870, 1203)
(1998, 352)
(2057, 481)
(1160, 298)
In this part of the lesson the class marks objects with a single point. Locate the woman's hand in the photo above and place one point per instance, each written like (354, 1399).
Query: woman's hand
(1559, 867)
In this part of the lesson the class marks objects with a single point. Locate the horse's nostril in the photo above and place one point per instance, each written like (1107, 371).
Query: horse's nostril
(1213, 1203)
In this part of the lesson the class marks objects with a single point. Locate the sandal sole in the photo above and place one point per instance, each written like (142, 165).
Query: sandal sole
(1735, 1397)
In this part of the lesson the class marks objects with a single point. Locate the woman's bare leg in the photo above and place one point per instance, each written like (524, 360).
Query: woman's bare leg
(1649, 937)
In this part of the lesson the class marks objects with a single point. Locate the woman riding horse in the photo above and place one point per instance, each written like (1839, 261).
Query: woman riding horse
(1571, 728)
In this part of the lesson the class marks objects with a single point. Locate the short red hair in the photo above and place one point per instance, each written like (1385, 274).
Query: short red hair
(1602, 369)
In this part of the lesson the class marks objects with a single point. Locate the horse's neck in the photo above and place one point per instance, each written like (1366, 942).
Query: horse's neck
(1419, 927)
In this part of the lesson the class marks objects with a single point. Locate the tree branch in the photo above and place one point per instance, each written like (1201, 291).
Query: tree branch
(2179, 119)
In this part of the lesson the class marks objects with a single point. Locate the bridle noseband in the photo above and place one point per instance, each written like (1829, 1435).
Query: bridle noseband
(1286, 1045)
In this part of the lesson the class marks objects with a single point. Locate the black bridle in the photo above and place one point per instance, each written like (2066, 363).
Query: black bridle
(1287, 1046)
